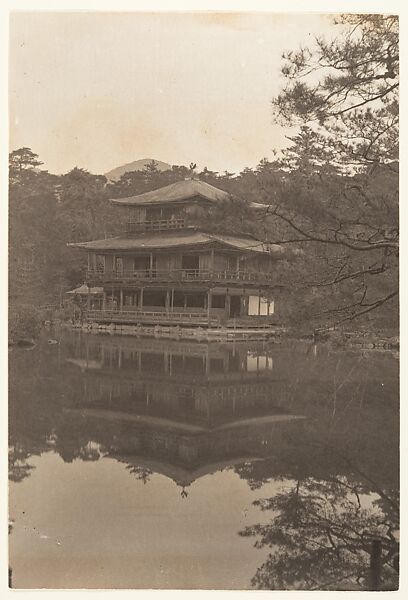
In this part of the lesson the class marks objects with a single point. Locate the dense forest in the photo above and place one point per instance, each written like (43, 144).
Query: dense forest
(331, 195)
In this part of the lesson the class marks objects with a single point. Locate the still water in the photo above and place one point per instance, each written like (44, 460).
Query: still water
(147, 463)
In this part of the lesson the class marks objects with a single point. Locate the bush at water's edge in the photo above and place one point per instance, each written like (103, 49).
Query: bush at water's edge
(24, 323)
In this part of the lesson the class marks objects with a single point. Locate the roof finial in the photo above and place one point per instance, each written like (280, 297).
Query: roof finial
(192, 174)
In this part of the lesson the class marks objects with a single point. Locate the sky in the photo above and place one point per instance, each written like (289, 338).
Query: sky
(99, 89)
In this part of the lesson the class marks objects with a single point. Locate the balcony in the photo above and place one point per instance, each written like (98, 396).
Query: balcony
(157, 316)
(180, 276)
(156, 225)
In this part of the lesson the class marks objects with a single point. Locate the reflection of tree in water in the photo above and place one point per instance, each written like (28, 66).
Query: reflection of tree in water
(18, 468)
(140, 473)
(322, 534)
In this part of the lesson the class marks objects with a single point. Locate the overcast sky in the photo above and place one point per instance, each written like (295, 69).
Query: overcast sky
(97, 90)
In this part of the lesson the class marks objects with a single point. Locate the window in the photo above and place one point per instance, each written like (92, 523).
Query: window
(153, 298)
(178, 299)
(100, 262)
(260, 306)
(216, 365)
(141, 263)
(231, 263)
(153, 213)
(118, 264)
(190, 262)
(218, 301)
(263, 306)
(235, 306)
(195, 300)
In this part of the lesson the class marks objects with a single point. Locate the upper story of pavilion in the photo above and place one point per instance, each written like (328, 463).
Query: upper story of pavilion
(161, 245)
(172, 206)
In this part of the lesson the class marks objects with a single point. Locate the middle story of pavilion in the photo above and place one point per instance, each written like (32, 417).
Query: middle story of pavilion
(184, 271)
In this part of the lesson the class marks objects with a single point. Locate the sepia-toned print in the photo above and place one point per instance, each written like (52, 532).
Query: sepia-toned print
(203, 301)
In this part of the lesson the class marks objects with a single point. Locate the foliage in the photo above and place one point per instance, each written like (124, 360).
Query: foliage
(18, 467)
(45, 213)
(337, 190)
(23, 163)
(31, 237)
(321, 537)
(24, 322)
(140, 473)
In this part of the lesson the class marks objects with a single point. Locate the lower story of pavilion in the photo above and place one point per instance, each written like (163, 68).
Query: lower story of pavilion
(182, 306)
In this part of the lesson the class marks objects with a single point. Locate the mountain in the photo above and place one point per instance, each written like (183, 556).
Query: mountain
(136, 165)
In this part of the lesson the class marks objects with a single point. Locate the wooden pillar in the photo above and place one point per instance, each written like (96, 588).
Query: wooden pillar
(259, 302)
(141, 299)
(167, 301)
(88, 298)
(172, 299)
(212, 260)
(227, 304)
(104, 300)
(121, 299)
(209, 305)
(151, 262)
(242, 306)
(207, 402)
(78, 348)
(238, 257)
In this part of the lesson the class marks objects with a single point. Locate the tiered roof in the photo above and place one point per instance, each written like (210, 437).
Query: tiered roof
(181, 191)
(172, 239)
(176, 192)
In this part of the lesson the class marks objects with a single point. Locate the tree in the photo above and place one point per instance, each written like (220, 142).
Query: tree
(321, 537)
(32, 204)
(22, 161)
(339, 184)
(82, 197)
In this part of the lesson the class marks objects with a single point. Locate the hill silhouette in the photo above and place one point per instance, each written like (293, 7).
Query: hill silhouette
(136, 165)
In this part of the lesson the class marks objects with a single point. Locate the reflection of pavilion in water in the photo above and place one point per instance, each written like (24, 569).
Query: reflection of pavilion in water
(179, 409)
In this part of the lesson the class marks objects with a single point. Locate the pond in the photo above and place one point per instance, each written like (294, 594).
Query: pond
(148, 463)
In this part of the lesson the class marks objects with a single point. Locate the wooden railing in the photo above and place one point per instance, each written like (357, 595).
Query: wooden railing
(162, 316)
(135, 316)
(155, 225)
(180, 275)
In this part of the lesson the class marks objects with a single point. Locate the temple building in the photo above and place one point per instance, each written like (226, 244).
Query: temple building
(164, 270)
